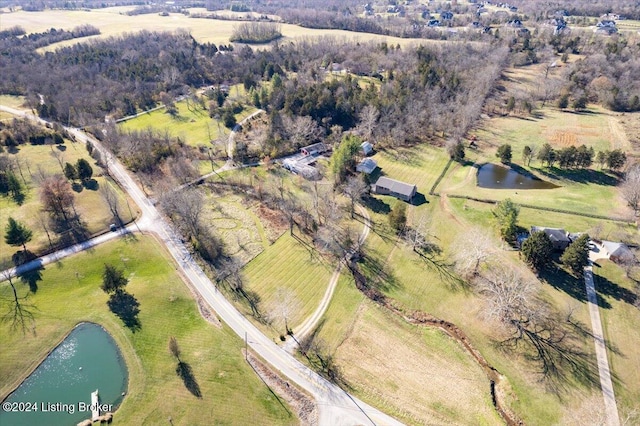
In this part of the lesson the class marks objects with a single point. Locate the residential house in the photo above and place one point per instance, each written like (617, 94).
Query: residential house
(368, 165)
(315, 149)
(617, 252)
(558, 236)
(395, 188)
(366, 148)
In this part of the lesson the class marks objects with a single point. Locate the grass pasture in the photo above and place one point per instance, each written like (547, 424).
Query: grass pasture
(581, 190)
(12, 101)
(621, 331)
(89, 204)
(289, 282)
(70, 293)
(193, 126)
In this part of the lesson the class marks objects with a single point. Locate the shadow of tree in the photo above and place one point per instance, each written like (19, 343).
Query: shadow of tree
(561, 280)
(604, 287)
(376, 205)
(184, 371)
(377, 272)
(33, 274)
(127, 308)
(579, 175)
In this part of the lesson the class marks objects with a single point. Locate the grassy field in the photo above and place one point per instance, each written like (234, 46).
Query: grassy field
(289, 282)
(90, 206)
(194, 126)
(592, 190)
(112, 23)
(69, 293)
(620, 323)
(12, 101)
(420, 165)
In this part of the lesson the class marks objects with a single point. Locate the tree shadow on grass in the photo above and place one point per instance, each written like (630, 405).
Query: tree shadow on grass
(184, 371)
(127, 308)
(604, 287)
(561, 280)
(579, 175)
(377, 272)
(376, 205)
(32, 274)
(91, 184)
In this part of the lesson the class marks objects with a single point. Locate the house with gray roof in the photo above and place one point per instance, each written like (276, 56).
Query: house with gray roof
(395, 188)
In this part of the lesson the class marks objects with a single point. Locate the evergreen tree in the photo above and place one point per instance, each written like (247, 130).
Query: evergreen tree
(576, 256)
(70, 172)
(17, 234)
(537, 250)
(85, 172)
(504, 153)
(506, 214)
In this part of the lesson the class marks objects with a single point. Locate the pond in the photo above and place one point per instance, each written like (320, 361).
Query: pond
(494, 176)
(59, 391)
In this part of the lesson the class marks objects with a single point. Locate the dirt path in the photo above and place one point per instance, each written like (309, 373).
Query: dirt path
(619, 139)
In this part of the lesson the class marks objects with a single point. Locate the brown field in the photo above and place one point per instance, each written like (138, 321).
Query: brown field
(111, 22)
(418, 374)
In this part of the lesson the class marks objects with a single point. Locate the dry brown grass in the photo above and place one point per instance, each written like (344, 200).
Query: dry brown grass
(417, 373)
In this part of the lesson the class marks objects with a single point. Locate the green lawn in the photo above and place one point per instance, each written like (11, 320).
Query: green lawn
(620, 323)
(12, 101)
(286, 273)
(193, 126)
(69, 292)
(90, 206)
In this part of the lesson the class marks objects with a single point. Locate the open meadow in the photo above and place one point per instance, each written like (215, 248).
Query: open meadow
(94, 213)
(69, 292)
(112, 22)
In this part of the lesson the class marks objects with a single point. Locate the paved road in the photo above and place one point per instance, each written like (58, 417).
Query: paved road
(310, 323)
(336, 407)
(611, 408)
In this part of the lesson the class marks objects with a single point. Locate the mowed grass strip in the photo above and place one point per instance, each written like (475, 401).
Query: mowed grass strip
(620, 324)
(285, 270)
(69, 292)
(89, 204)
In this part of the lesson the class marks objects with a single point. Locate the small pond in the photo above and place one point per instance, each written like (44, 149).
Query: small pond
(88, 359)
(494, 176)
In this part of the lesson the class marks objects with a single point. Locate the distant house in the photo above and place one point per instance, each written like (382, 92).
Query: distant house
(513, 9)
(558, 236)
(606, 23)
(606, 30)
(401, 190)
(315, 149)
(366, 148)
(367, 166)
(617, 252)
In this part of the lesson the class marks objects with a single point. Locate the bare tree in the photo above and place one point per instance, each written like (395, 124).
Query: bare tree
(57, 197)
(368, 121)
(417, 234)
(301, 130)
(510, 296)
(630, 187)
(355, 189)
(285, 305)
(110, 197)
(471, 250)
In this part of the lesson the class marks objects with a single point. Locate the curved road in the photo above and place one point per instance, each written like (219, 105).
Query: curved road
(336, 407)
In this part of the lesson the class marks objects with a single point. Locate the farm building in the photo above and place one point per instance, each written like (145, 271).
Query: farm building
(366, 166)
(617, 252)
(315, 149)
(557, 236)
(401, 190)
(366, 148)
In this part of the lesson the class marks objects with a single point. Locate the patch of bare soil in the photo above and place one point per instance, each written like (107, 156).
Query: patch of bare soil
(274, 222)
(303, 405)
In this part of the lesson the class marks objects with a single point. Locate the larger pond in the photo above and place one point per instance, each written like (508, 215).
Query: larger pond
(494, 176)
(58, 393)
